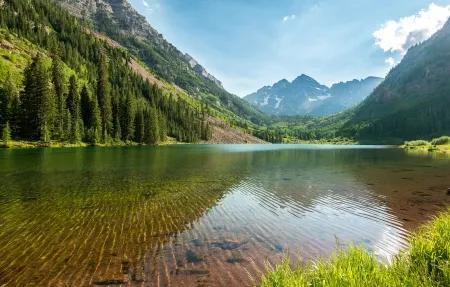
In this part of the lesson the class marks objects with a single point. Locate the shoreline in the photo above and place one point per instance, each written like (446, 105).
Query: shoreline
(428, 149)
(34, 145)
(423, 263)
(23, 144)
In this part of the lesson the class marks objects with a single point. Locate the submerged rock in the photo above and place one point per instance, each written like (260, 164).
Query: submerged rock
(109, 282)
(236, 257)
(193, 257)
(278, 248)
(228, 244)
(198, 242)
(193, 271)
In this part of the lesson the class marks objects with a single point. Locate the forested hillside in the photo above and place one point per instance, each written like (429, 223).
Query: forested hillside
(414, 100)
(119, 21)
(61, 83)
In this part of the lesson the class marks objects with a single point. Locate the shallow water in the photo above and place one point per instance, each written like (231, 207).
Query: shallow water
(200, 215)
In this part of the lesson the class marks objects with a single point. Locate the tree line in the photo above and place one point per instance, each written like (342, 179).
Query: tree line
(82, 89)
(49, 107)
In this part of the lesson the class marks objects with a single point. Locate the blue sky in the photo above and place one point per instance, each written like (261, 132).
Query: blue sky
(248, 44)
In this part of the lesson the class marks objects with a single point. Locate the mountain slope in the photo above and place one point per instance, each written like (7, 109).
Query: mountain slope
(414, 99)
(39, 34)
(121, 22)
(305, 96)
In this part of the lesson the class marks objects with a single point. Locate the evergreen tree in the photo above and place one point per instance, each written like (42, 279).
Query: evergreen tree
(162, 124)
(117, 129)
(73, 105)
(104, 97)
(37, 102)
(85, 106)
(139, 127)
(14, 116)
(128, 118)
(58, 80)
(95, 127)
(151, 127)
(6, 135)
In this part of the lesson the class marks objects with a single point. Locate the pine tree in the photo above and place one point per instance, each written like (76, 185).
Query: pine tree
(162, 127)
(128, 118)
(85, 106)
(58, 80)
(104, 97)
(151, 127)
(139, 127)
(95, 128)
(37, 102)
(6, 135)
(73, 105)
(117, 129)
(45, 135)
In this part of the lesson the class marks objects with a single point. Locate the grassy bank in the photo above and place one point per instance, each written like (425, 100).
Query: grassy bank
(16, 144)
(335, 141)
(441, 144)
(425, 263)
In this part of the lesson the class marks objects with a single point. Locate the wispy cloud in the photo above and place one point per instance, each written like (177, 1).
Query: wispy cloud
(289, 18)
(397, 36)
(145, 3)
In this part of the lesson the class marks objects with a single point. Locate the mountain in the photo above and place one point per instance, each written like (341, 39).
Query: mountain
(414, 99)
(119, 21)
(305, 96)
(63, 82)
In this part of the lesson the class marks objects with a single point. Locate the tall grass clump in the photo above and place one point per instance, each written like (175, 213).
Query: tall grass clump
(424, 263)
(441, 140)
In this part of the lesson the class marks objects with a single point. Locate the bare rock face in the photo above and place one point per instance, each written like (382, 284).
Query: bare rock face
(199, 69)
(81, 8)
(306, 96)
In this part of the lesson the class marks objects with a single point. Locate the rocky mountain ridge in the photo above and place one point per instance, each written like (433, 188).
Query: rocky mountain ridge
(306, 96)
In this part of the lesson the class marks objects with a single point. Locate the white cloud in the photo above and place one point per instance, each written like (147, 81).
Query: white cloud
(289, 18)
(399, 35)
(145, 3)
(391, 61)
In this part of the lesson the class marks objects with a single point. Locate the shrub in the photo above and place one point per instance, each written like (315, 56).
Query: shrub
(441, 141)
(417, 143)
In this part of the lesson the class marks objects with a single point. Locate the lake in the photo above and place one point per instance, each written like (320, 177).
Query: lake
(204, 215)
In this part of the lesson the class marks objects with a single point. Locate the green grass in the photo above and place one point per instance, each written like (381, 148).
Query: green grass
(441, 144)
(332, 141)
(22, 144)
(445, 140)
(416, 143)
(425, 263)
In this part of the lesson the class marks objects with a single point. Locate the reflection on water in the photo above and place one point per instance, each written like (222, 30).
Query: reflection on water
(203, 215)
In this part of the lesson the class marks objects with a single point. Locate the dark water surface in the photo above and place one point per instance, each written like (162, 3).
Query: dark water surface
(200, 215)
